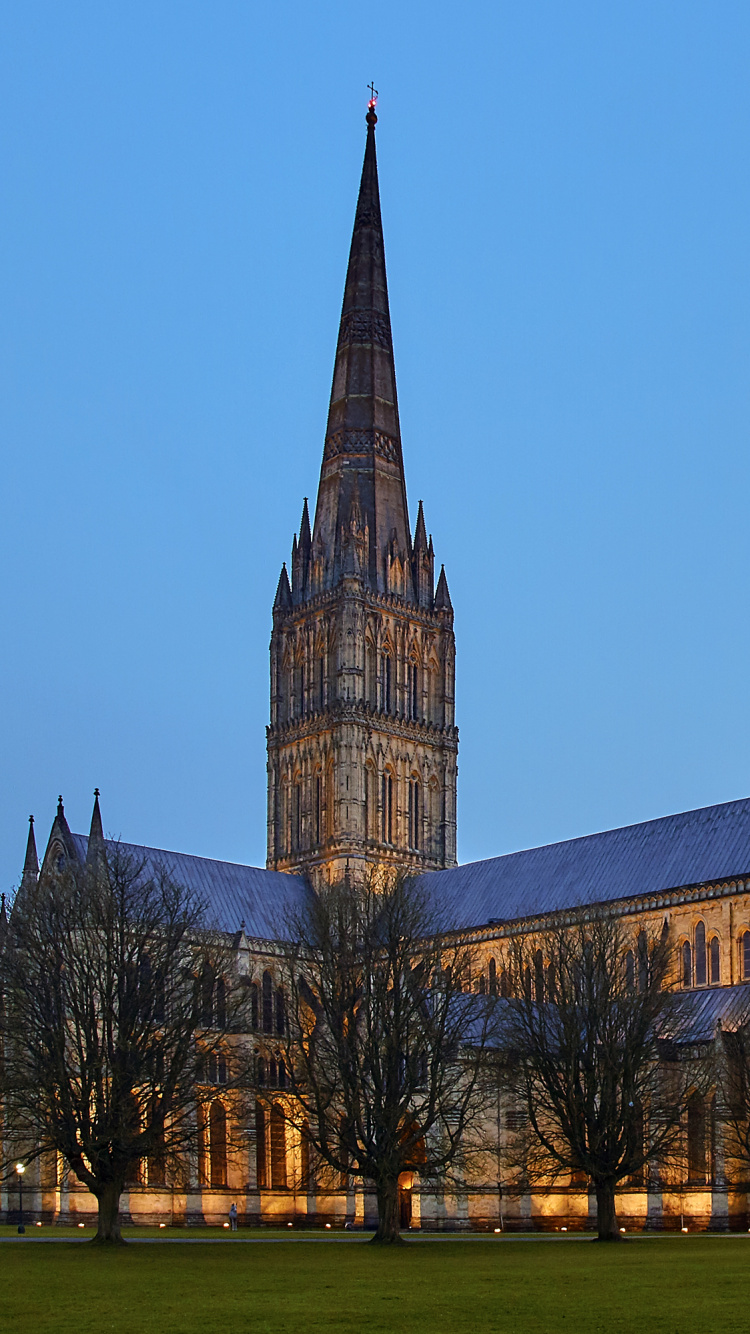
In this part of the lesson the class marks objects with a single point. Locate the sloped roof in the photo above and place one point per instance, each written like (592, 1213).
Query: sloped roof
(235, 894)
(693, 1015)
(712, 843)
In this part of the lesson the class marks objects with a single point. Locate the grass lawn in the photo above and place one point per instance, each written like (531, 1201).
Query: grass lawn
(673, 1285)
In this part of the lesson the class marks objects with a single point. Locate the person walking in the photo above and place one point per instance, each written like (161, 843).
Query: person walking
(233, 1217)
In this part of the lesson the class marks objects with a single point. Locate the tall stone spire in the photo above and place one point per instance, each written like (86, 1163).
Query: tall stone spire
(362, 741)
(31, 861)
(362, 463)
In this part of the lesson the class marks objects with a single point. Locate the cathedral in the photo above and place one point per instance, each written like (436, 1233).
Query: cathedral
(362, 751)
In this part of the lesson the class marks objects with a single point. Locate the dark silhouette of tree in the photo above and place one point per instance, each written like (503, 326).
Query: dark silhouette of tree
(590, 1060)
(110, 1022)
(385, 1037)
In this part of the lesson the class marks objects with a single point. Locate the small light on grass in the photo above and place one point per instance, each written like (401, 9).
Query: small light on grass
(622, 1229)
(39, 1225)
(290, 1224)
(328, 1224)
(162, 1225)
(684, 1229)
(498, 1229)
(225, 1225)
(563, 1229)
(81, 1224)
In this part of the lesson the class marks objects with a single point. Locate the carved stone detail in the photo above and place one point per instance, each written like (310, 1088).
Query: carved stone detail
(362, 442)
(364, 326)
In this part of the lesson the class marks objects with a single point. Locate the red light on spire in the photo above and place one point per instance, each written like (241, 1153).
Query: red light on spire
(373, 97)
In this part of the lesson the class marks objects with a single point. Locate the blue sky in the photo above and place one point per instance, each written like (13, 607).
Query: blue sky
(566, 191)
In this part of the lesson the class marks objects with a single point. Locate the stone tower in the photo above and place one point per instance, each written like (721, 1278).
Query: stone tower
(362, 744)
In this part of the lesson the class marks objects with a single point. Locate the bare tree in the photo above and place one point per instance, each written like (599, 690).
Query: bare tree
(385, 1037)
(732, 1064)
(116, 996)
(589, 1062)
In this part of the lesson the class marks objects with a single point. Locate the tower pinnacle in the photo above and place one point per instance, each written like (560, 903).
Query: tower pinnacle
(362, 459)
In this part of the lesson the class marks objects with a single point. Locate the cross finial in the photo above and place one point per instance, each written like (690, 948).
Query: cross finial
(373, 94)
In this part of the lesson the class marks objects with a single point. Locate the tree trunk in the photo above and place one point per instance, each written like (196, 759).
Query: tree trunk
(606, 1217)
(108, 1222)
(388, 1219)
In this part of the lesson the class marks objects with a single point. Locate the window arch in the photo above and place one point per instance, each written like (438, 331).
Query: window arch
(415, 813)
(493, 977)
(700, 954)
(686, 964)
(642, 949)
(267, 1002)
(412, 681)
(217, 1134)
(320, 683)
(745, 955)
(371, 800)
(629, 970)
(318, 812)
(386, 806)
(371, 693)
(435, 820)
(504, 983)
(387, 682)
(297, 815)
(714, 961)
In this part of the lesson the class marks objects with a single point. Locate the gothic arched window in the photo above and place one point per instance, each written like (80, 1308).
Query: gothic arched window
(714, 961)
(493, 978)
(387, 682)
(629, 970)
(415, 814)
(642, 947)
(267, 1003)
(413, 685)
(280, 1012)
(320, 684)
(745, 955)
(700, 955)
(386, 807)
(318, 809)
(297, 816)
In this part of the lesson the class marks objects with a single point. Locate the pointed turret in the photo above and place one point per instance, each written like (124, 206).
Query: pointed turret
(31, 861)
(61, 845)
(423, 563)
(442, 596)
(301, 557)
(420, 532)
(283, 599)
(363, 436)
(95, 848)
